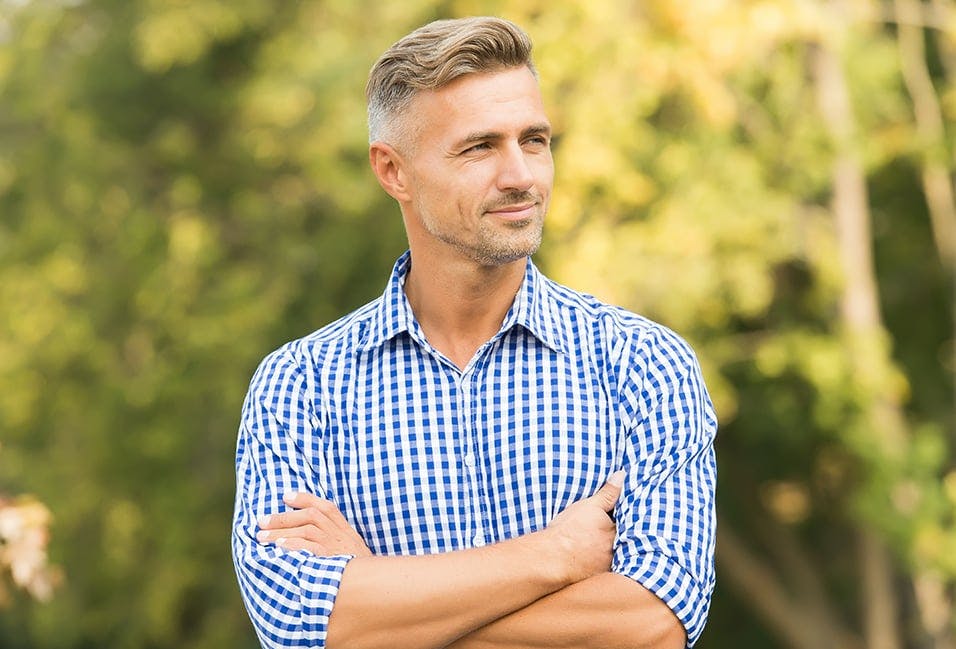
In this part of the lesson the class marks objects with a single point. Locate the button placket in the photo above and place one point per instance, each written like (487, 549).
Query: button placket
(470, 447)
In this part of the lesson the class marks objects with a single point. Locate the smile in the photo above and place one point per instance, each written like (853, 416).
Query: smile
(515, 212)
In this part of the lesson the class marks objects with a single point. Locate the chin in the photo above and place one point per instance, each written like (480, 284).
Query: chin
(502, 256)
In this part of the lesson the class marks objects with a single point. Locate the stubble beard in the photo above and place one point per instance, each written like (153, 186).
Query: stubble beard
(494, 243)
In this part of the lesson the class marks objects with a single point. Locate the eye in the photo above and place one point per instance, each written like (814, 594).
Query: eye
(475, 148)
(538, 140)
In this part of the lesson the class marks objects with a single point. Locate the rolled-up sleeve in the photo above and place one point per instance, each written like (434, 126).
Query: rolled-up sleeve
(289, 594)
(666, 516)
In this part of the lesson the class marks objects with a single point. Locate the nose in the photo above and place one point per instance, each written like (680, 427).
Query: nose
(515, 171)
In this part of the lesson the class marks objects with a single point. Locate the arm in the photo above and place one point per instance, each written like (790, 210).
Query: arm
(607, 610)
(666, 516)
(665, 541)
(340, 596)
(663, 564)
(664, 546)
(288, 595)
(430, 601)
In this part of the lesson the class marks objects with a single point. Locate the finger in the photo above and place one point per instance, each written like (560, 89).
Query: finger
(302, 544)
(319, 512)
(302, 499)
(607, 495)
(304, 532)
(330, 512)
(325, 547)
(331, 538)
(295, 518)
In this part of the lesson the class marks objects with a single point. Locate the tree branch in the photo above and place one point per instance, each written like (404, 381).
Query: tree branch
(755, 582)
(937, 184)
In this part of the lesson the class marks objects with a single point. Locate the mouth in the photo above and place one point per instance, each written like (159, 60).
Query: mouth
(515, 212)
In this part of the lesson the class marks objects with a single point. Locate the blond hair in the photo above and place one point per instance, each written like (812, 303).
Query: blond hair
(433, 56)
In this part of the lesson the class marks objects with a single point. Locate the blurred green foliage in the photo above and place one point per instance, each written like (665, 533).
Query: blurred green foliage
(184, 187)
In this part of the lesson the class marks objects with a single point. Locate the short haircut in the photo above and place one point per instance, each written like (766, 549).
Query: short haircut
(433, 56)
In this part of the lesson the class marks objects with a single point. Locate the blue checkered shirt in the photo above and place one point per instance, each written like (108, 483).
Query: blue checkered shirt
(422, 457)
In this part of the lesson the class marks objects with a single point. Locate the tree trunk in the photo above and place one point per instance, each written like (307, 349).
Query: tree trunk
(863, 330)
(797, 622)
(931, 598)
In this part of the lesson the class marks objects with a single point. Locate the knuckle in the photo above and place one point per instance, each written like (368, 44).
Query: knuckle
(310, 515)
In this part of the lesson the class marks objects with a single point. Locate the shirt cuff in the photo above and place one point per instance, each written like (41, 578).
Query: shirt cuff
(319, 580)
(290, 597)
(672, 584)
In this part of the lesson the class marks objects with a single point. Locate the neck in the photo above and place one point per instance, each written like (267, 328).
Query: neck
(460, 304)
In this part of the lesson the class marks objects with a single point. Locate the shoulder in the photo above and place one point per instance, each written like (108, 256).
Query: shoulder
(342, 336)
(628, 335)
(650, 368)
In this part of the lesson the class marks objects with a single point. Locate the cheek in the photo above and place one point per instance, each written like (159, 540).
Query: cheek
(545, 171)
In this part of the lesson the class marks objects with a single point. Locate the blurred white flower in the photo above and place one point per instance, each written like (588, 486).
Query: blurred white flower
(24, 525)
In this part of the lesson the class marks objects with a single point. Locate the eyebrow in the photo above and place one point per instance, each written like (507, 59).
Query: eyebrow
(484, 136)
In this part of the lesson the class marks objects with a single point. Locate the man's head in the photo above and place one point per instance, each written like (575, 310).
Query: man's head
(431, 57)
(460, 138)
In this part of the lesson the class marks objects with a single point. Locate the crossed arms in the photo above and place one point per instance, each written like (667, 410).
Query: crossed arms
(550, 588)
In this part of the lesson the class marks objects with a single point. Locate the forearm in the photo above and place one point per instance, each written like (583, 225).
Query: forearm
(430, 601)
(605, 611)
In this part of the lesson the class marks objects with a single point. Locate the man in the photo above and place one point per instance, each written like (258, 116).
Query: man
(480, 457)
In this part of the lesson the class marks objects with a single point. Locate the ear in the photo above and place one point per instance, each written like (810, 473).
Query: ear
(388, 166)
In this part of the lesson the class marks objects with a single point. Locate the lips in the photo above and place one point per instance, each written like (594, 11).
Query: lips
(522, 211)
(515, 208)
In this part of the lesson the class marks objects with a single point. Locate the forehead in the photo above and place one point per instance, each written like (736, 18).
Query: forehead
(504, 101)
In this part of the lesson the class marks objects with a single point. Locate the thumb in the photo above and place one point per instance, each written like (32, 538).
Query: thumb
(608, 494)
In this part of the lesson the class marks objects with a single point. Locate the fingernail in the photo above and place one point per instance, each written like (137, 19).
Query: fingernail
(280, 542)
(264, 521)
(262, 536)
(290, 496)
(616, 479)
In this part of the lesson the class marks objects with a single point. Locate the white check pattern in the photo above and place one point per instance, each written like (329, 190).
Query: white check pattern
(422, 457)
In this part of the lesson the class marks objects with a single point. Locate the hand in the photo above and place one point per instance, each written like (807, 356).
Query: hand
(584, 533)
(314, 524)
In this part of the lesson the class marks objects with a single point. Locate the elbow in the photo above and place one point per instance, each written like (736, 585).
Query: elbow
(342, 633)
(338, 637)
(356, 641)
(660, 632)
(660, 629)
(670, 633)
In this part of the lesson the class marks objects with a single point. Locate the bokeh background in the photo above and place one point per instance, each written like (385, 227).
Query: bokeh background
(184, 187)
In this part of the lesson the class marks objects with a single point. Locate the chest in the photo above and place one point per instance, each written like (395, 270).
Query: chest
(423, 458)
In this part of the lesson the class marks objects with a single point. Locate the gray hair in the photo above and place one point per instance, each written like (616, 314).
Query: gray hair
(433, 56)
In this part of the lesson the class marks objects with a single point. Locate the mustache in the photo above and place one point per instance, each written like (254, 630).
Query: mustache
(513, 198)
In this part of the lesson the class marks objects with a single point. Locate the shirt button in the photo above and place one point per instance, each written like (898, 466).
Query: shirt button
(470, 460)
(478, 541)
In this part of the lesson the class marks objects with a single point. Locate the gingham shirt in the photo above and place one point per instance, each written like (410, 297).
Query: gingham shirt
(422, 457)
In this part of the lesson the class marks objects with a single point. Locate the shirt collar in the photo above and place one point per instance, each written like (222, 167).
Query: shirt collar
(534, 309)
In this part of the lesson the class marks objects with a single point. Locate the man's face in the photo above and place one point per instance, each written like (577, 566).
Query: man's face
(480, 167)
